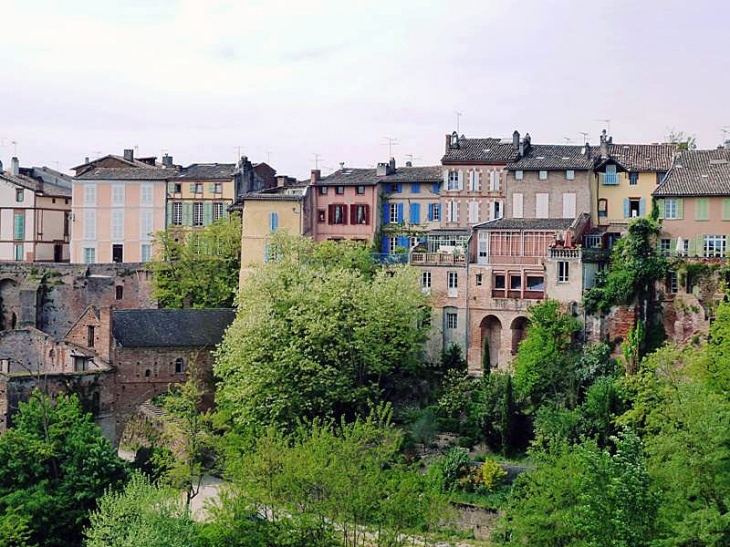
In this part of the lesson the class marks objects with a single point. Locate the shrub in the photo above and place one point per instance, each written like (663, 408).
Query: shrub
(492, 475)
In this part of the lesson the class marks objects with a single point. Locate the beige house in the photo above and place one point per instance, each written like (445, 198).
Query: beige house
(35, 207)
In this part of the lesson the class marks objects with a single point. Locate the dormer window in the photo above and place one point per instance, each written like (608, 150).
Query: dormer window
(543, 175)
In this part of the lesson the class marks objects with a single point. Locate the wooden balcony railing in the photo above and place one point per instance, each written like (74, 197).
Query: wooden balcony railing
(438, 259)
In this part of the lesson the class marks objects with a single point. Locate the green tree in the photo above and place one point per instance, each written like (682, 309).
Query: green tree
(198, 268)
(317, 340)
(682, 140)
(56, 464)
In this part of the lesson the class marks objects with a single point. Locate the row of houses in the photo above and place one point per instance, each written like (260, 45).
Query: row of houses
(503, 223)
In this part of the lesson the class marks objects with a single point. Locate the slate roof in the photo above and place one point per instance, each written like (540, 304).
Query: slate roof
(488, 150)
(170, 328)
(208, 171)
(134, 162)
(553, 157)
(129, 173)
(368, 177)
(698, 173)
(51, 190)
(526, 224)
(641, 157)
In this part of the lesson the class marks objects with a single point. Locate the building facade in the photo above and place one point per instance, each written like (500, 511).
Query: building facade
(200, 194)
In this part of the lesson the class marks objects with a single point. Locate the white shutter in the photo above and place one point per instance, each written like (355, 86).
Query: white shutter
(118, 224)
(517, 202)
(542, 205)
(446, 179)
(448, 211)
(476, 181)
(568, 205)
(494, 181)
(90, 224)
(461, 179)
(473, 211)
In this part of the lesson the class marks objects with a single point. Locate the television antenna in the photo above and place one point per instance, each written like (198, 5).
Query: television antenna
(585, 136)
(608, 125)
(567, 140)
(412, 157)
(458, 115)
(390, 144)
(268, 157)
(317, 157)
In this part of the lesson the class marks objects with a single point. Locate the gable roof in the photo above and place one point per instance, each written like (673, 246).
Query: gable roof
(641, 157)
(29, 183)
(128, 173)
(489, 150)
(350, 176)
(552, 224)
(133, 163)
(539, 157)
(170, 328)
(698, 173)
(208, 171)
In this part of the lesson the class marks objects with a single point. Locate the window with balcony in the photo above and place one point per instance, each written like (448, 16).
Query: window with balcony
(714, 246)
(610, 177)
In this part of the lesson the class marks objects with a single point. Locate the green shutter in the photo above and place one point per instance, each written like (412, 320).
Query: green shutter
(660, 206)
(207, 213)
(19, 226)
(673, 246)
(726, 209)
(192, 187)
(690, 247)
(187, 213)
(680, 208)
(701, 209)
(211, 187)
(169, 214)
(700, 245)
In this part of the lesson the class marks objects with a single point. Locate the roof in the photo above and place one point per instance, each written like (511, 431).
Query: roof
(431, 173)
(351, 176)
(526, 224)
(641, 157)
(128, 173)
(133, 163)
(208, 171)
(548, 157)
(488, 150)
(46, 189)
(291, 192)
(170, 328)
(698, 173)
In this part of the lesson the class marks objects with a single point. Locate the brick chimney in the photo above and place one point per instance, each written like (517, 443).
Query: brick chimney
(316, 176)
(15, 166)
(604, 144)
(391, 166)
(516, 139)
(129, 154)
(167, 161)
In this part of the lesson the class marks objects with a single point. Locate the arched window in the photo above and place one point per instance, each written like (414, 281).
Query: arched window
(147, 373)
(179, 365)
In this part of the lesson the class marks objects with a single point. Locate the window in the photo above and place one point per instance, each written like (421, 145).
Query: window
(543, 175)
(426, 280)
(660, 176)
(90, 194)
(197, 188)
(177, 216)
(179, 365)
(118, 194)
(453, 280)
(90, 336)
(177, 188)
(273, 221)
(473, 211)
(361, 214)
(602, 208)
(118, 292)
(563, 272)
(665, 246)
(146, 194)
(393, 213)
(321, 215)
(392, 244)
(19, 225)
(494, 181)
(338, 214)
(453, 181)
(517, 205)
(218, 188)
(570, 174)
(500, 281)
(702, 209)
(451, 320)
(479, 280)
(610, 177)
(89, 224)
(482, 247)
(18, 251)
(89, 255)
(671, 209)
(474, 181)
(452, 211)
(515, 282)
(714, 246)
(497, 210)
(634, 207)
(416, 188)
(117, 224)
(435, 211)
(4, 366)
(19, 193)
(673, 283)
(197, 213)
(145, 251)
(519, 174)
(79, 363)
(360, 190)
(535, 283)
(633, 179)
(118, 253)
(217, 210)
(339, 189)
(323, 190)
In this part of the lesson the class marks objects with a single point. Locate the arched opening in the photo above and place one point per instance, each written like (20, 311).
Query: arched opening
(179, 365)
(519, 331)
(491, 330)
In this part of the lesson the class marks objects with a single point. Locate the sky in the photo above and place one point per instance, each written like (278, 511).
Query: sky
(284, 81)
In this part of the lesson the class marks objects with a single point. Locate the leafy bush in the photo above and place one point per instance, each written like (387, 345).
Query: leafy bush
(492, 475)
(455, 394)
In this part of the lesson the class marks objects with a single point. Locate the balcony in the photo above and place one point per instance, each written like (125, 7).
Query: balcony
(610, 179)
(438, 259)
(586, 255)
(565, 254)
(528, 295)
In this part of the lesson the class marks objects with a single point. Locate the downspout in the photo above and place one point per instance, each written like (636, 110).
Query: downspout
(466, 307)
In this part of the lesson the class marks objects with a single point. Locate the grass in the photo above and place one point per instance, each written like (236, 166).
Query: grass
(495, 501)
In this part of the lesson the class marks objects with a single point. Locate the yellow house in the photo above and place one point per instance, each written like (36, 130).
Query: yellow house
(200, 194)
(285, 207)
(625, 177)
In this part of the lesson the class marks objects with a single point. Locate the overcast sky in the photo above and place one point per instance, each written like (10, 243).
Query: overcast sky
(288, 79)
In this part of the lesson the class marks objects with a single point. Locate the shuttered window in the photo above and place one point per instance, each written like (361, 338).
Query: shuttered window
(517, 205)
(569, 206)
(89, 224)
(702, 209)
(542, 202)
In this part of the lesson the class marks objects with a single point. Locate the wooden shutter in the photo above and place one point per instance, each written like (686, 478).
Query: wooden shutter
(367, 214)
(344, 214)
(680, 208)
(726, 209)
(330, 214)
(660, 206)
(642, 207)
(353, 214)
(415, 213)
(627, 208)
(386, 213)
(460, 184)
(400, 212)
(208, 213)
(187, 213)
(517, 205)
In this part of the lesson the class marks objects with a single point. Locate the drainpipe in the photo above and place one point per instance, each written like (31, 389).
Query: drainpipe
(467, 309)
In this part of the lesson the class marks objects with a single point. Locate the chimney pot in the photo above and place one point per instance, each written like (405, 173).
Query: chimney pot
(391, 165)
(316, 176)
(86, 159)
(516, 139)
(129, 154)
(409, 164)
(15, 166)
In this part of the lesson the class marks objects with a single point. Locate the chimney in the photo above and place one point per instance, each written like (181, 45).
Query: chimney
(604, 144)
(86, 160)
(167, 161)
(391, 166)
(409, 164)
(516, 139)
(15, 166)
(1, 167)
(281, 181)
(587, 149)
(129, 154)
(316, 176)
(342, 166)
(382, 169)
(452, 141)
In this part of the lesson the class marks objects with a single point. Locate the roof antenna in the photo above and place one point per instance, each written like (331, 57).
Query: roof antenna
(458, 115)
(567, 140)
(317, 157)
(268, 158)
(608, 124)
(585, 136)
(391, 143)
(15, 147)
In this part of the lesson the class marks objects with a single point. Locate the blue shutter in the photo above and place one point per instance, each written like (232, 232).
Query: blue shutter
(415, 213)
(399, 188)
(266, 252)
(626, 208)
(416, 188)
(386, 216)
(400, 212)
(385, 246)
(273, 221)
(430, 211)
(438, 208)
(402, 241)
(435, 188)
(642, 207)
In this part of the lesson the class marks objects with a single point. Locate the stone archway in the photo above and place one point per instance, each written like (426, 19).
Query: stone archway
(519, 331)
(491, 338)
